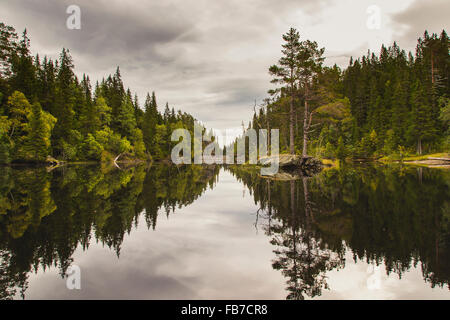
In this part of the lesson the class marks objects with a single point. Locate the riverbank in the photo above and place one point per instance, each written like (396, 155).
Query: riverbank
(435, 160)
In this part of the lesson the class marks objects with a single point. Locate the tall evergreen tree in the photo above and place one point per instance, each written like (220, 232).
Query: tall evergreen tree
(310, 61)
(23, 70)
(286, 74)
(422, 126)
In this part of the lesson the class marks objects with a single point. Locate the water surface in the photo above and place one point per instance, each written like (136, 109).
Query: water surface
(223, 233)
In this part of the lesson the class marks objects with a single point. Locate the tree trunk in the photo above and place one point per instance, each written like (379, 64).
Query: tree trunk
(268, 128)
(269, 206)
(305, 124)
(420, 174)
(291, 127)
(293, 211)
(308, 211)
(432, 68)
(115, 161)
(419, 146)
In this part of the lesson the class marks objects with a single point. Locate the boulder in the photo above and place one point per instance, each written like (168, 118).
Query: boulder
(285, 160)
(294, 161)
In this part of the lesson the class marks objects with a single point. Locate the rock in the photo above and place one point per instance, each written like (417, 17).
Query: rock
(310, 162)
(294, 161)
(292, 167)
(285, 160)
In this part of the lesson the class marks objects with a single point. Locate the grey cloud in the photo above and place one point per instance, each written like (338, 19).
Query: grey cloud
(184, 50)
(209, 58)
(108, 30)
(420, 16)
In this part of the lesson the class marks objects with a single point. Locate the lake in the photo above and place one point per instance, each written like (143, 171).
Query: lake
(212, 232)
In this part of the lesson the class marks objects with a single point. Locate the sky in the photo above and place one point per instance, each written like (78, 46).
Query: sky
(211, 58)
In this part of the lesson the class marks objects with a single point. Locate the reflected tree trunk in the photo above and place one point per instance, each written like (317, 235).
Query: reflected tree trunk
(269, 206)
(308, 204)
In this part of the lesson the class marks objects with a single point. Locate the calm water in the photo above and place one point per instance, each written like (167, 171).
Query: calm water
(218, 233)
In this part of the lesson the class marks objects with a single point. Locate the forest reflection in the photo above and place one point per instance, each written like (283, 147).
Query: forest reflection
(390, 215)
(45, 216)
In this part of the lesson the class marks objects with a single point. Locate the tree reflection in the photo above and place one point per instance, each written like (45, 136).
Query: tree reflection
(45, 216)
(392, 215)
(396, 216)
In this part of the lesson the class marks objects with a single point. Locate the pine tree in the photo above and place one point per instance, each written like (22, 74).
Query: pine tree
(8, 46)
(125, 123)
(286, 74)
(115, 95)
(422, 126)
(23, 70)
(150, 122)
(310, 64)
(166, 116)
(65, 138)
(400, 111)
(138, 112)
(102, 114)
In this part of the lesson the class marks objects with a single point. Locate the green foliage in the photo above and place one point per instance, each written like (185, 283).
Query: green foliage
(160, 142)
(5, 157)
(337, 110)
(103, 111)
(112, 142)
(150, 121)
(390, 142)
(138, 143)
(341, 151)
(392, 214)
(91, 124)
(422, 124)
(68, 151)
(91, 149)
(19, 110)
(83, 204)
(125, 122)
(36, 144)
(444, 116)
(401, 97)
(368, 145)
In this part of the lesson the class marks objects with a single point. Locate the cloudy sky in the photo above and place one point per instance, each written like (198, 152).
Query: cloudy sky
(210, 58)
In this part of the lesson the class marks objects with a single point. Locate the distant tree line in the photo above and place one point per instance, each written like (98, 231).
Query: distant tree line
(392, 103)
(46, 110)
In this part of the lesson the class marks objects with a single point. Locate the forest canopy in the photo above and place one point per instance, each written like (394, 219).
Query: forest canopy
(46, 110)
(388, 104)
(391, 103)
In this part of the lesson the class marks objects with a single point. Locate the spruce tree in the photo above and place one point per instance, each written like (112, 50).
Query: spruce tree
(422, 126)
